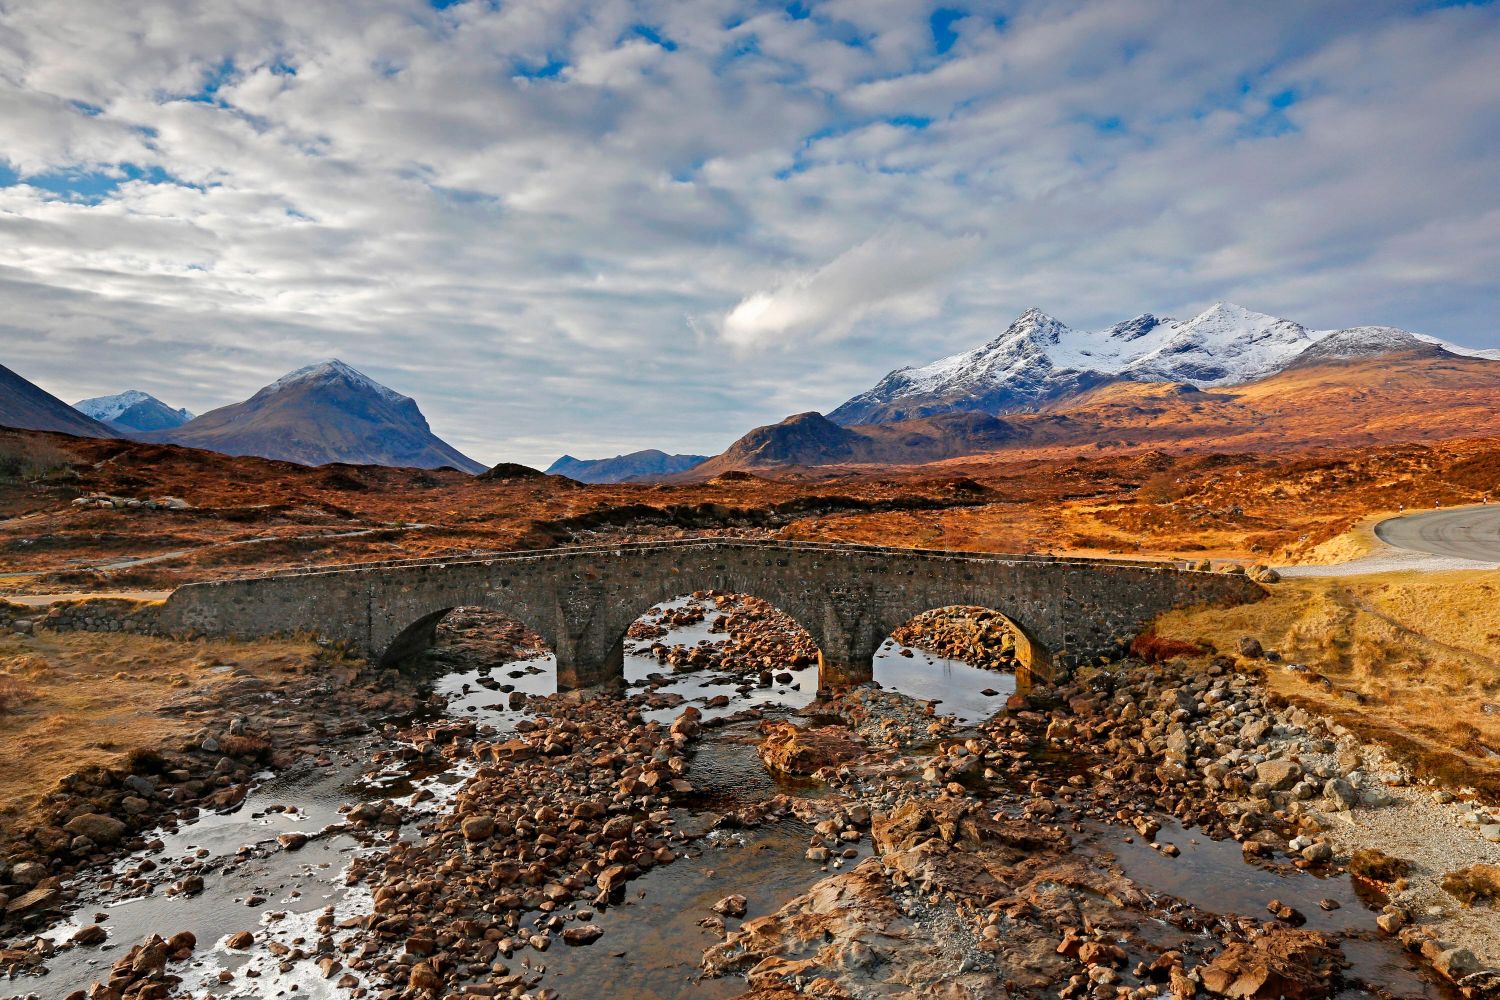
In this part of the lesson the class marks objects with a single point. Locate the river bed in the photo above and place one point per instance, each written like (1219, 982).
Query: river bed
(653, 937)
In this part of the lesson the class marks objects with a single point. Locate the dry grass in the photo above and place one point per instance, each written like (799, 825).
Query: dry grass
(1474, 884)
(93, 699)
(1410, 659)
(26, 458)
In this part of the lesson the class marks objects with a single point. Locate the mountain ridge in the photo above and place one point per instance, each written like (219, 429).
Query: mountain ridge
(1365, 385)
(27, 406)
(647, 463)
(1038, 361)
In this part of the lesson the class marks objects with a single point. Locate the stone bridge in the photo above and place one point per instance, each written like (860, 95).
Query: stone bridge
(850, 598)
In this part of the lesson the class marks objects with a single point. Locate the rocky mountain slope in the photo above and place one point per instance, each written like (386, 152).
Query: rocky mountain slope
(327, 412)
(1362, 386)
(30, 407)
(1038, 361)
(637, 465)
(131, 411)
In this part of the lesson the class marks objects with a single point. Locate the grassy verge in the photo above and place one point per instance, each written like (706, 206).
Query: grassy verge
(1409, 659)
(68, 701)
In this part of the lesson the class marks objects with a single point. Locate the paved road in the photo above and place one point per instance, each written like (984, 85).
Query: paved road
(1461, 533)
(1452, 538)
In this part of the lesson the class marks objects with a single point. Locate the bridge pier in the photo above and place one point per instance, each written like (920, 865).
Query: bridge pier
(577, 671)
(844, 672)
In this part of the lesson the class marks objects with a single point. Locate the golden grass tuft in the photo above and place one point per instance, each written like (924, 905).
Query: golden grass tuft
(1475, 884)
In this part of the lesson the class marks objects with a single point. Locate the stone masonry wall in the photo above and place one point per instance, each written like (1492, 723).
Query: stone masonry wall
(581, 600)
(102, 615)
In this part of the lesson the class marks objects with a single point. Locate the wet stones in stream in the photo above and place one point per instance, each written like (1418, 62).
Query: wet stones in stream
(551, 826)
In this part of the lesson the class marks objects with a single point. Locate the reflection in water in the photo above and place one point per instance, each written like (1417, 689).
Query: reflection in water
(957, 686)
(652, 944)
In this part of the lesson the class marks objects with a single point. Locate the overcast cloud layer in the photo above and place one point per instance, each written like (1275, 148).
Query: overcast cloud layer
(600, 226)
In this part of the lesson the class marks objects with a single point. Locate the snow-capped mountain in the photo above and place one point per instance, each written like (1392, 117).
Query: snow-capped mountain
(132, 410)
(1015, 371)
(1039, 360)
(1359, 342)
(327, 412)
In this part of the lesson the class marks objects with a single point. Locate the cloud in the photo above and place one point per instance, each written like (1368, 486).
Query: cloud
(197, 198)
(892, 272)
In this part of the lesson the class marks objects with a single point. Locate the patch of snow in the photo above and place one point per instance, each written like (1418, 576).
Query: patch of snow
(107, 408)
(332, 370)
(1226, 344)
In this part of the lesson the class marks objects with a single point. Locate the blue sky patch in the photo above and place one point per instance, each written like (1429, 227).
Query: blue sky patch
(214, 78)
(655, 37)
(89, 187)
(553, 67)
(942, 21)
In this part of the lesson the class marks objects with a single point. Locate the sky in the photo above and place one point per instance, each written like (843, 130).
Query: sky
(598, 226)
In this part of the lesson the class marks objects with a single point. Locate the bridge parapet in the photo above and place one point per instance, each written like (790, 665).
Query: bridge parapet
(581, 600)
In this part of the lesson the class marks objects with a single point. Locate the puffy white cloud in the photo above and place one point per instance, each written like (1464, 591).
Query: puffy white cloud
(553, 221)
(892, 272)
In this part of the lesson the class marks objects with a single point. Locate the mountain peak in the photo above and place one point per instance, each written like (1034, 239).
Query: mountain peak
(330, 371)
(1222, 314)
(1365, 342)
(1038, 324)
(321, 413)
(133, 410)
(1038, 360)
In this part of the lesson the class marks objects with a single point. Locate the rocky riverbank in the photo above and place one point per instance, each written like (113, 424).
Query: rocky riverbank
(251, 727)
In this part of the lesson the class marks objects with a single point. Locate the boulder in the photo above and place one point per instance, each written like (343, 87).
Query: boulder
(1290, 964)
(1279, 774)
(1456, 963)
(790, 750)
(731, 906)
(97, 827)
(582, 934)
(477, 828)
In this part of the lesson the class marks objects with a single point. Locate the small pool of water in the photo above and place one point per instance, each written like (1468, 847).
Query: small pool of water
(1214, 876)
(653, 942)
(954, 684)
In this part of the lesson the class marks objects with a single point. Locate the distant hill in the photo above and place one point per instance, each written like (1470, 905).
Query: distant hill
(32, 408)
(131, 411)
(808, 439)
(637, 465)
(327, 412)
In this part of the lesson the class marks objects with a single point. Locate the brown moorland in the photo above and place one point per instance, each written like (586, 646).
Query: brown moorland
(249, 514)
(77, 700)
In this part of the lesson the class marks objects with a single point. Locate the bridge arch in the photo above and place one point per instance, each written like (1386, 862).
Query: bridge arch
(806, 614)
(755, 627)
(421, 634)
(1033, 660)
